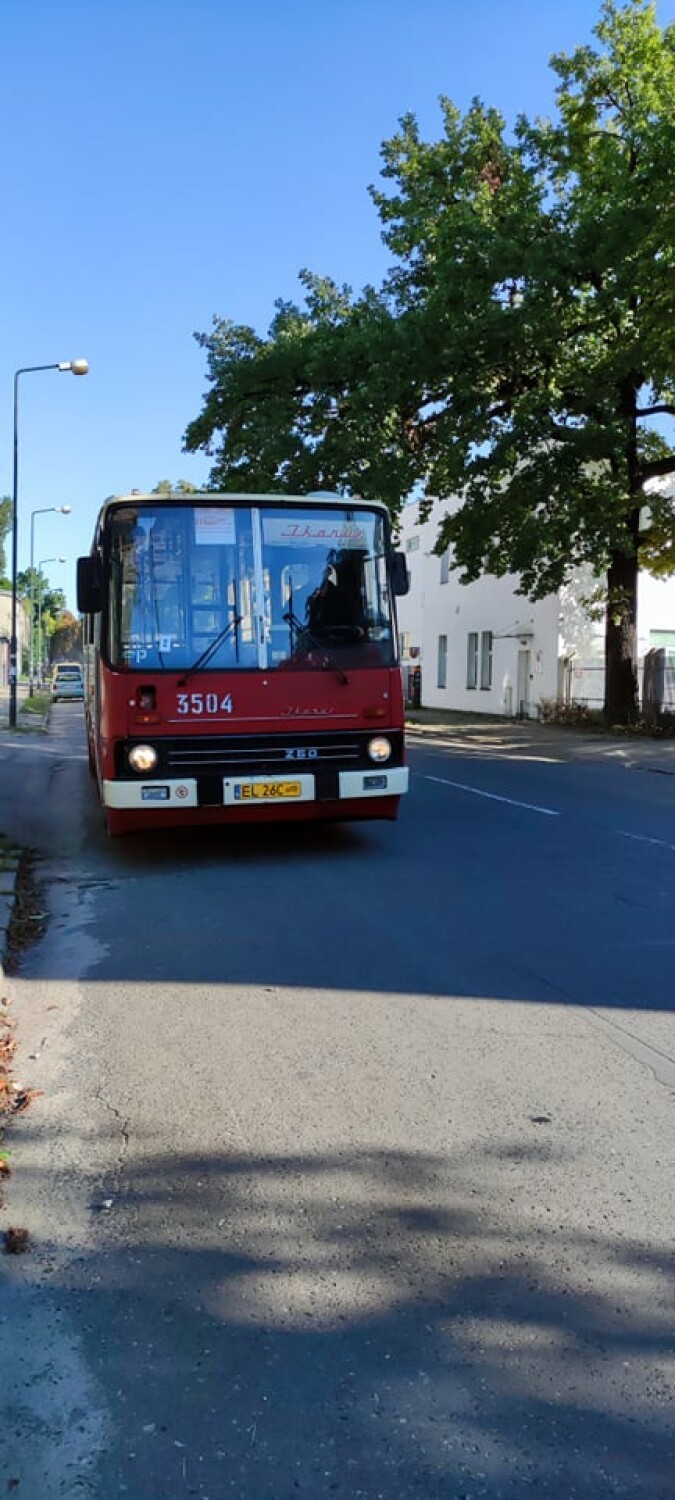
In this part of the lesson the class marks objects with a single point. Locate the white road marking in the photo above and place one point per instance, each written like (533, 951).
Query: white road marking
(548, 812)
(643, 839)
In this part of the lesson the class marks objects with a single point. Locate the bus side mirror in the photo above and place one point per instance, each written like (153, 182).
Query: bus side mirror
(89, 585)
(400, 577)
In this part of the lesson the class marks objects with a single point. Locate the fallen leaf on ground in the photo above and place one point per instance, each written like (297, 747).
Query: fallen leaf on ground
(24, 1098)
(16, 1241)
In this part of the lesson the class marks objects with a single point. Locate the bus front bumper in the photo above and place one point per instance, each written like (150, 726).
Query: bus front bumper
(253, 791)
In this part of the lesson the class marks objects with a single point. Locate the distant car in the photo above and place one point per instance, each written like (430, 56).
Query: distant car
(67, 681)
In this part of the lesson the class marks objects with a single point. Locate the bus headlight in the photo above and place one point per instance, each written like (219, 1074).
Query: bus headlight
(379, 749)
(142, 758)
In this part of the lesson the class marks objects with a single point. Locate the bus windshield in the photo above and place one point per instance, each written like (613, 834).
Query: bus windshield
(267, 588)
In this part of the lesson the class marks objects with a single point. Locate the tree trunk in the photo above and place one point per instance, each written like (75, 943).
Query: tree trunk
(621, 682)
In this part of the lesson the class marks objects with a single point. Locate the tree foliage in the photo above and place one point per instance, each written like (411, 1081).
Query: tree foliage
(521, 348)
(5, 528)
(66, 638)
(181, 487)
(48, 603)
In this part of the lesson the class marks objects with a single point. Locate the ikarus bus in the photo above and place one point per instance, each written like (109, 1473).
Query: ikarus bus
(241, 660)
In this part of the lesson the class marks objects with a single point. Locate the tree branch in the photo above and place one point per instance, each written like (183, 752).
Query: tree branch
(656, 467)
(418, 433)
(665, 410)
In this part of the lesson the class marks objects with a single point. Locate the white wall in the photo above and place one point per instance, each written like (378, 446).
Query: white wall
(433, 609)
(22, 618)
(553, 629)
(583, 640)
(656, 596)
(656, 608)
(22, 628)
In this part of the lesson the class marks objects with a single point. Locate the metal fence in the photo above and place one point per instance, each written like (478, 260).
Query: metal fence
(585, 682)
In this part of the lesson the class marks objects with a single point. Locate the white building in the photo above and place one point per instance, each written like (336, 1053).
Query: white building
(22, 628)
(484, 648)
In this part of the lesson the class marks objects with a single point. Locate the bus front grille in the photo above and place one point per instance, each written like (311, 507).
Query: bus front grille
(222, 756)
(236, 758)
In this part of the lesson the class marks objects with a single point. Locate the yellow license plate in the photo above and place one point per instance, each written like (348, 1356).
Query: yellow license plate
(268, 791)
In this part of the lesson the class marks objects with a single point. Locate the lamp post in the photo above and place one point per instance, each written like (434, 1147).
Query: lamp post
(76, 367)
(43, 511)
(41, 565)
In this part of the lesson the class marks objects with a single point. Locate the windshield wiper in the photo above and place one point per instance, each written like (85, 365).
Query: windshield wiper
(326, 661)
(210, 650)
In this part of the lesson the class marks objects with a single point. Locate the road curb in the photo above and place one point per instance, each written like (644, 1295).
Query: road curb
(33, 722)
(9, 867)
(501, 737)
(10, 855)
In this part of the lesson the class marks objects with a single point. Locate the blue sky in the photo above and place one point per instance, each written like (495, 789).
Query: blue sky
(166, 161)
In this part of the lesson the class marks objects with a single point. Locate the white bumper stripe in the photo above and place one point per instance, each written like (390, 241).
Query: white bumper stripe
(166, 792)
(150, 794)
(369, 783)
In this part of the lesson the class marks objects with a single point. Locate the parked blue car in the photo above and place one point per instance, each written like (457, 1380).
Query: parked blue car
(67, 681)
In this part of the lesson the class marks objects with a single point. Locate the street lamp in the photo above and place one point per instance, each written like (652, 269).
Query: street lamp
(41, 565)
(44, 510)
(76, 367)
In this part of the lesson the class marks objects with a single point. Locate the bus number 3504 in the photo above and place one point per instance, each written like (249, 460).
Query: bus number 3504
(204, 703)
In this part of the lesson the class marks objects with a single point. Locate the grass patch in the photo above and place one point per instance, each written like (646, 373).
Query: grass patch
(37, 703)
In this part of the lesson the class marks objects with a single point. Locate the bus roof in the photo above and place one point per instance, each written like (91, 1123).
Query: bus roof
(184, 497)
(209, 497)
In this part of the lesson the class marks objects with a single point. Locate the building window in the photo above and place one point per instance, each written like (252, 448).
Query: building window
(445, 566)
(405, 643)
(472, 659)
(442, 676)
(486, 660)
(412, 544)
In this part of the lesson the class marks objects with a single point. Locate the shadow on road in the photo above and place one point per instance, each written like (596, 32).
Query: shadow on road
(349, 1323)
(324, 1340)
(463, 896)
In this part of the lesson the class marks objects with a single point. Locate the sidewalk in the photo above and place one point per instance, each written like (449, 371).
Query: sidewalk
(9, 854)
(513, 739)
(9, 865)
(21, 694)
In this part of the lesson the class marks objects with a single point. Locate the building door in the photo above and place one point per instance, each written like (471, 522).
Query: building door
(523, 686)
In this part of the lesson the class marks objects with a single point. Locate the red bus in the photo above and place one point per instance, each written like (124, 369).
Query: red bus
(241, 660)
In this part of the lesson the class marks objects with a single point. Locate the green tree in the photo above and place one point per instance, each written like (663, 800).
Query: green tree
(49, 604)
(310, 406)
(5, 528)
(181, 487)
(66, 638)
(522, 346)
(31, 583)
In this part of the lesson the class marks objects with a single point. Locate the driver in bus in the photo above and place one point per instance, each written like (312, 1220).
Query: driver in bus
(337, 603)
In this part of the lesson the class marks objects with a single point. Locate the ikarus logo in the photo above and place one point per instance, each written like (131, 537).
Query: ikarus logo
(294, 711)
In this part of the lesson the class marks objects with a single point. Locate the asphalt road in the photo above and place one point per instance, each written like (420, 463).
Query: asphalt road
(353, 1174)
